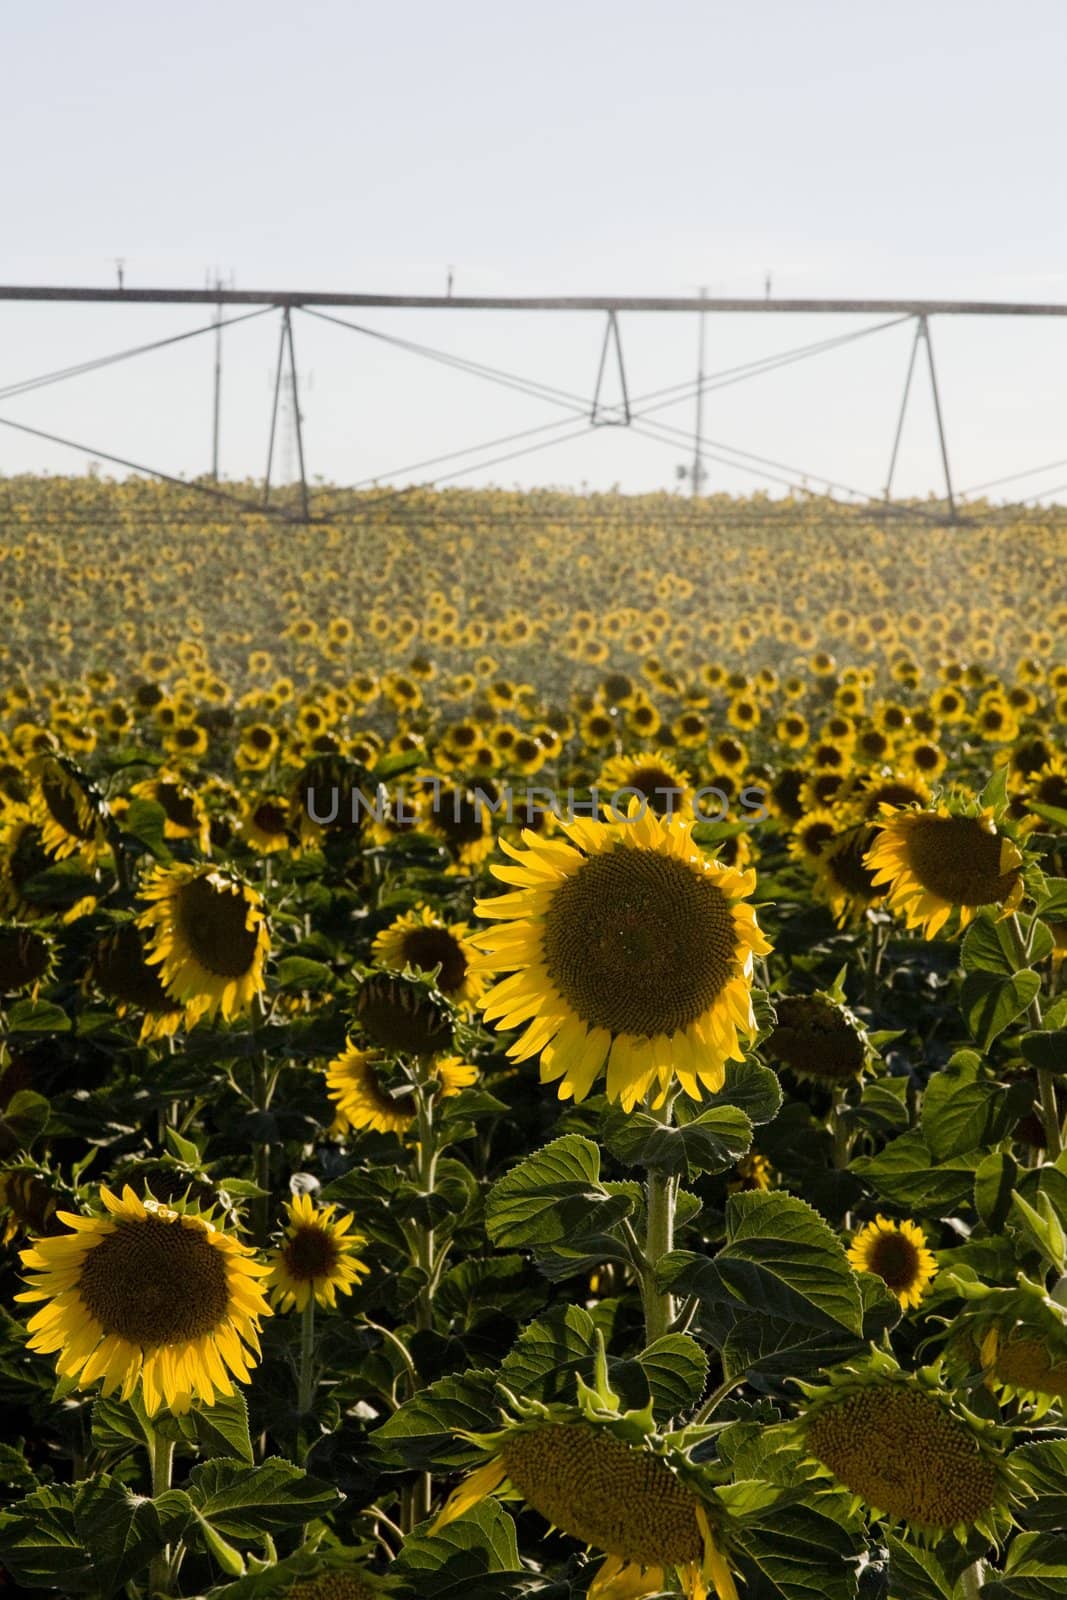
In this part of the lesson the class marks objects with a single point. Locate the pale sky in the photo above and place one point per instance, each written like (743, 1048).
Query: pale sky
(563, 147)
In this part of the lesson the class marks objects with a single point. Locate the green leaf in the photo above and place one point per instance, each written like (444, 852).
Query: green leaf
(961, 1114)
(1047, 1050)
(421, 1432)
(15, 1470)
(990, 1002)
(677, 1370)
(916, 1572)
(37, 1016)
(241, 1502)
(296, 974)
(116, 1424)
(1052, 906)
(23, 1121)
(713, 1141)
(797, 1553)
(123, 1530)
(543, 1362)
(1042, 1468)
(753, 1088)
(994, 1184)
(780, 1260)
(480, 1542)
(1049, 813)
(989, 946)
(146, 820)
(908, 1174)
(39, 1543)
(222, 1429)
(554, 1196)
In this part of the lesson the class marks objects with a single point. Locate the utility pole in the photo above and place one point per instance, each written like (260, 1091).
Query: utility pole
(697, 474)
(218, 383)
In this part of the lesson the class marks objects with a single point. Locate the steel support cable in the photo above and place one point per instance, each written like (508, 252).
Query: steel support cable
(753, 369)
(451, 455)
(154, 472)
(1013, 477)
(682, 391)
(46, 378)
(713, 448)
(558, 396)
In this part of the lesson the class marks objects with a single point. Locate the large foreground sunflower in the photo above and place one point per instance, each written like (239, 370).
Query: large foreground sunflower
(937, 862)
(606, 1480)
(209, 938)
(146, 1295)
(625, 945)
(907, 1449)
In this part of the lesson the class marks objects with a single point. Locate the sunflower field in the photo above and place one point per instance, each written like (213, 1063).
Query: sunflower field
(533, 1044)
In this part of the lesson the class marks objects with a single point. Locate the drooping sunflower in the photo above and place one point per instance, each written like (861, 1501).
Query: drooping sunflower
(68, 808)
(625, 945)
(604, 1478)
(844, 879)
(316, 1257)
(208, 935)
(908, 1449)
(355, 1083)
(339, 1584)
(27, 958)
(118, 968)
(422, 939)
(933, 863)
(818, 1037)
(147, 1295)
(184, 814)
(897, 1253)
(1017, 1337)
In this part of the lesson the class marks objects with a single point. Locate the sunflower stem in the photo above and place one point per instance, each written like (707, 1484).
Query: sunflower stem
(661, 1193)
(971, 1581)
(306, 1387)
(1046, 1083)
(161, 1461)
(425, 1173)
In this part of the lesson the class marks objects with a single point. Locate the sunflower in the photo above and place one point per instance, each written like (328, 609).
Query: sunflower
(844, 879)
(423, 940)
(626, 946)
(933, 863)
(896, 1252)
(1017, 1337)
(119, 970)
(265, 823)
(818, 1037)
(339, 1584)
(146, 1295)
(209, 938)
(316, 1257)
(27, 959)
(907, 1449)
(814, 832)
(662, 784)
(183, 810)
(355, 1082)
(69, 809)
(28, 1203)
(602, 1477)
